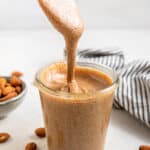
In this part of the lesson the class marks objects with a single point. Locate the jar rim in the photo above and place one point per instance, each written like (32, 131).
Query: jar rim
(100, 67)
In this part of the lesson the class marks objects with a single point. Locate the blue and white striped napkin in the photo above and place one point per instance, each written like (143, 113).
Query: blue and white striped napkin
(133, 92)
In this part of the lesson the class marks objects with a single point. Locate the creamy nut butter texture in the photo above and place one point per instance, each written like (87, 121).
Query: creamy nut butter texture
(88, 80)
(65, 17)
(76, 121)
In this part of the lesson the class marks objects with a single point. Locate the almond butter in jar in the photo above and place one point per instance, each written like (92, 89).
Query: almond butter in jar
(76, 120)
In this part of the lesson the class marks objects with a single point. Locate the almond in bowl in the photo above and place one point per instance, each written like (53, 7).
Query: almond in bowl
(12, 92)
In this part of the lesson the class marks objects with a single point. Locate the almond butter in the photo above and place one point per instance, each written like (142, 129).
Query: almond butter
(15, 81)
(144, 147)
(4, 137)
(10, 95)
(17, 73)
(40, 132)
(8, 90)
(31, 146)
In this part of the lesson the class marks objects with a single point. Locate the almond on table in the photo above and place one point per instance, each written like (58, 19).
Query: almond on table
(31, 146)
(4, 137)
(40, 132)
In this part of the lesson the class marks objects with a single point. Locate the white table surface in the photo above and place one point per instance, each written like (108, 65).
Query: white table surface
(28, 50)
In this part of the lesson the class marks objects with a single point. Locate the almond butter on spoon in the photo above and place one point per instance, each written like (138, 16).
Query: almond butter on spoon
(64, 16)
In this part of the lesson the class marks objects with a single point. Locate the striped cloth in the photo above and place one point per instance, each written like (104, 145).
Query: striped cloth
(133, 92)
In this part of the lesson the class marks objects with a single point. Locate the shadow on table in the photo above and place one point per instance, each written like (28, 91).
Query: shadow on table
(124, 121)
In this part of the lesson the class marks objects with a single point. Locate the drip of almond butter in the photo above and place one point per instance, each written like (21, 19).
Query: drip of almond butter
(65, 17)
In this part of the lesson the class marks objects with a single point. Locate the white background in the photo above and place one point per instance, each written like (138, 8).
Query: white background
(96, 13)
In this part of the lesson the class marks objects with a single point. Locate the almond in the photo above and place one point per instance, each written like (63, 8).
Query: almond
(7, 84)
(40, 132)
(10, 95)
(4, 137)
(15, 81)
(17, 73)
(31, 146)
(18, 89)
(8, 90)
(3, 82)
